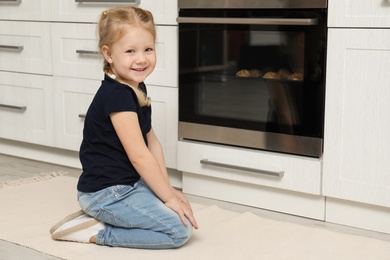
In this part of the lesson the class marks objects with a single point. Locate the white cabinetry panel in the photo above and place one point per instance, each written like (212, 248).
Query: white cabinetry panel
(72, 99)
(357, 120)
(301, 174)
(359, 13)
(25, 108)
(25, 47)
(165, 120)
(164, 12)
(75, 51)
(166, 71)
(38, 10)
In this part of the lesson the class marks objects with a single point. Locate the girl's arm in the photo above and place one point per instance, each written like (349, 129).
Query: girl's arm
(127, 128)
(156, 149)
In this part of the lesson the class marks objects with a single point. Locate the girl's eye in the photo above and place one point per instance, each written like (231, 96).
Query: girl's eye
(130, 51)
(149, 49)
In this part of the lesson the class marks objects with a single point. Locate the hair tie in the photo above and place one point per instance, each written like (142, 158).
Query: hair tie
(105, 12)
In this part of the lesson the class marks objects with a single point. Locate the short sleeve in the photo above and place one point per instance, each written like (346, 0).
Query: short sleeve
(121, 99)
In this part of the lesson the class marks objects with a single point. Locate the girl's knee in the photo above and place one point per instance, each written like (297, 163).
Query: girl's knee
(183, 234)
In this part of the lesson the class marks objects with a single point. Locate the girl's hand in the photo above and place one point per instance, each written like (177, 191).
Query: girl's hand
(181, 208)
(181, 197)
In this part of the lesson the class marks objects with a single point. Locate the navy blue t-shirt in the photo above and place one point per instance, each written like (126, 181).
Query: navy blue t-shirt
(103, 158)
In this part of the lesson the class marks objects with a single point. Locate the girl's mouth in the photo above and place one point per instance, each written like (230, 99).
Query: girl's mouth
(140, 69)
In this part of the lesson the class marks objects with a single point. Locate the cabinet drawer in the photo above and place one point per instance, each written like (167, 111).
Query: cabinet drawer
(25, 110)
(25, 47)
(360, 13)
(37, 10)
(248, 166)
(164, 12)
(72, 99)
(75, 51)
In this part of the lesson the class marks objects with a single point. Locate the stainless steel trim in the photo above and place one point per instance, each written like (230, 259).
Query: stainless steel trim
(293, 144)
(87, 52)
(241, 168)
(257, 21)
(109, 1)
(18, 108)
(82, 116)
(12, 47)
(252, 4)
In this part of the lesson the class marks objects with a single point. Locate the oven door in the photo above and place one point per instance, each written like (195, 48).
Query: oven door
(253, 78)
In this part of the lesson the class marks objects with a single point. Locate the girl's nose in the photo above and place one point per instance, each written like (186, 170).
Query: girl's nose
(140, 58)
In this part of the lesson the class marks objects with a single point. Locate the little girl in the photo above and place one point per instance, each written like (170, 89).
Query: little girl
(124, 190)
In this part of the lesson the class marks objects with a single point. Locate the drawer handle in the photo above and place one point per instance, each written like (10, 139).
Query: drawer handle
(18, 108)
(241, 168)
(11, 47)
(11, 1)
(87, 52)
(109, 1)
(82, 116)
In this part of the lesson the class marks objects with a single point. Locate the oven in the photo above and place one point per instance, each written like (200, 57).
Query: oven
(252, 73)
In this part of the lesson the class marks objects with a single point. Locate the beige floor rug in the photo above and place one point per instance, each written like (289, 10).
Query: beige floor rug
(29, 210)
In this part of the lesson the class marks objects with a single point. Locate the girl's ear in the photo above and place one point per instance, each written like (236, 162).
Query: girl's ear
(106, 53)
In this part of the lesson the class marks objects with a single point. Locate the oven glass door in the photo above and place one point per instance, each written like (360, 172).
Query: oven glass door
(253, 70)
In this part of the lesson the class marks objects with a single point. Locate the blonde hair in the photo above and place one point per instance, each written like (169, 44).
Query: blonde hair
(114, 23)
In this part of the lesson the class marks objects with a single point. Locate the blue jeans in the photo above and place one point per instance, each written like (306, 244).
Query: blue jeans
(134, 217)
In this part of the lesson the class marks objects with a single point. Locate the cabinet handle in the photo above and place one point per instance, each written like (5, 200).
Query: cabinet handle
(109, 1)
(257, 21)
(11, 47)
(18, 108)
(241, 168)
(87, 52)
(11, 1)
(82, 116)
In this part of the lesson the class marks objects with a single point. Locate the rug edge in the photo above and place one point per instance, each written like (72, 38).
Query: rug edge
(36, 178)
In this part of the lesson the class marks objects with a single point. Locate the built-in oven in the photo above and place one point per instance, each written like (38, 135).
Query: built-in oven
(252, 73)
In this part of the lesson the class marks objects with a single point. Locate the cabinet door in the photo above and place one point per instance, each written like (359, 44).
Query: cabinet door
(359, 13)
(165, 120)
(164, 12)
(356, 163)
(25, 108)
(72, 98)
(25, 47)
(37, 10)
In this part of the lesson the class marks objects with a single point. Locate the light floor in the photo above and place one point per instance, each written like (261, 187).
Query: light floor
(12, 168)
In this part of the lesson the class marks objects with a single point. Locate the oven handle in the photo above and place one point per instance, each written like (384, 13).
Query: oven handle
(257, 21)
(241, 168)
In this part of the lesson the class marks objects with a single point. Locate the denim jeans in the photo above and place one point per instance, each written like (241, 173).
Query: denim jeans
(134, 217)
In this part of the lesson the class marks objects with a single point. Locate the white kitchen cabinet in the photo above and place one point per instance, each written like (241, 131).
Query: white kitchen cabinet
(72, 98)
(164, 12)
(356, 163)
(165, 120)
(75, 51)
(288, 172)
(241, 176)
(359, 13)
(25, 108)
(25, 47)
(167, 67)
(37, 10)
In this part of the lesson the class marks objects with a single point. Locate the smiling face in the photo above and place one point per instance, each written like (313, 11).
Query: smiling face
(132, 58)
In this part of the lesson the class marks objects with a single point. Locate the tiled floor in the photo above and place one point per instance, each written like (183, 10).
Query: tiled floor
(12, 168)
